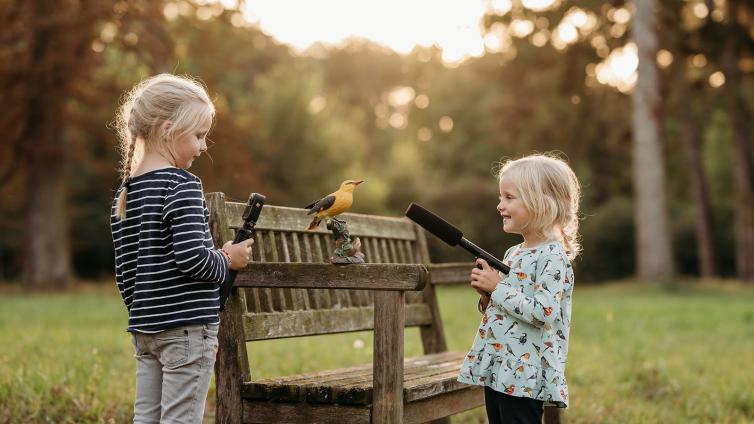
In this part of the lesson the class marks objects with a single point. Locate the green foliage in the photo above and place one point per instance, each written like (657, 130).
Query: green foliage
(607, 241)
(293, 127)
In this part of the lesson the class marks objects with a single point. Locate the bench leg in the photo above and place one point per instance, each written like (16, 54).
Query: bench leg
(389, 318)
(552, 415)
(232, 365)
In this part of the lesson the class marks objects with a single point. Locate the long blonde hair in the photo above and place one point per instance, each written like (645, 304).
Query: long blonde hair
(550, 192)
(153, 115)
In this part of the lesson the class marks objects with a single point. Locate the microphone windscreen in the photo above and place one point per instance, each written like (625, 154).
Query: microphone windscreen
(434, 224)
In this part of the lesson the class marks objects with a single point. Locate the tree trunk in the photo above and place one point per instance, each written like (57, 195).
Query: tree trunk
(742, 171)
(48, 259)
(699, 190)
(53, 51)
(653, 254)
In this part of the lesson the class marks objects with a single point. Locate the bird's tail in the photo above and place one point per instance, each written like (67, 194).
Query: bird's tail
(315, 223)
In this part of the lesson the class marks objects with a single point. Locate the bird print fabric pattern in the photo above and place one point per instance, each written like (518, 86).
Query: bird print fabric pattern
(522, 343)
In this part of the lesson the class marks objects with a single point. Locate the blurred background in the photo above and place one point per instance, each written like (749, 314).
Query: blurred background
(650, 102)
(421, 99)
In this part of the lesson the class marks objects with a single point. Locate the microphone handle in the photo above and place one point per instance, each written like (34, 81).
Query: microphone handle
(246, 232)
(481, 253)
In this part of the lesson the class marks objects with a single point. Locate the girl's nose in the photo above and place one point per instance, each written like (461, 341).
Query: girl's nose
(203, 145)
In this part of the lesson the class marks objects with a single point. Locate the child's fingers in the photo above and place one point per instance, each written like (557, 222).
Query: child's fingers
(477, 285)
(483, 263)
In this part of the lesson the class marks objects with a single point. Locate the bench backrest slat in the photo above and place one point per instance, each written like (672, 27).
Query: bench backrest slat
(281, 236)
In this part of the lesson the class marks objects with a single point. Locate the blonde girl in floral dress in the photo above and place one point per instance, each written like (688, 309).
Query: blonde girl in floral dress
(520, 350)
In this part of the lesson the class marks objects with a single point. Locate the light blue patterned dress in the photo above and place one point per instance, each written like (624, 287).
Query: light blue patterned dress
(522, 342)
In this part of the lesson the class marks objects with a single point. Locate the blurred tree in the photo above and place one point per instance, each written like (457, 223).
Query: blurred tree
(292, 126)
(692, 135)
(653, 251)
(706, 27)
(131, 51)
(47, 46)
(738, 42)
(51, 55)
(686, 88)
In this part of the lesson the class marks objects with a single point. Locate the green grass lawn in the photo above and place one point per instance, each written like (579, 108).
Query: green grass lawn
(639, 354)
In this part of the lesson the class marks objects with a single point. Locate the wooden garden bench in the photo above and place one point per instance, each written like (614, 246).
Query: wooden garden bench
(290, 290)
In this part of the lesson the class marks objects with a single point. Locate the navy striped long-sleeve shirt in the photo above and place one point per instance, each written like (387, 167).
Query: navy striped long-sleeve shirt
(166, 267)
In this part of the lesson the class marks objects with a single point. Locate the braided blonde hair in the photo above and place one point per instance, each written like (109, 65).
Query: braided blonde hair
(153, 115)
(550, 192)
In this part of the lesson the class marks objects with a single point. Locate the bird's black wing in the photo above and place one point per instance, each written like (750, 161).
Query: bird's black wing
(321, 204)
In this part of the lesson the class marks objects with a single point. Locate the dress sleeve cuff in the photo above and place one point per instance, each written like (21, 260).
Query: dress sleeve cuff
(501, 292)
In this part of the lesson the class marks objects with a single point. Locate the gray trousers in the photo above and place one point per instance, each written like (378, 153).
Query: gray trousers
(173, 371)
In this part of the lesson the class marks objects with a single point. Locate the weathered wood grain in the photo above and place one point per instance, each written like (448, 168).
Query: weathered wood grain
(433, 336)
(276, 325)
(326, 276)
(280, 218)
(262, 412)
(443, 405)
(423, 377)
(231, 366)
(290, 289)
(387, 407)
(451, 273)
(553, 415)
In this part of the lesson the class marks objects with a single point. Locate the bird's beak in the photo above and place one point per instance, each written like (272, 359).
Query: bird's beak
(358, 182)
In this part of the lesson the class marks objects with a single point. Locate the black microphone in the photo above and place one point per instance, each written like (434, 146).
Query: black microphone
(250, 216)
(451, 235)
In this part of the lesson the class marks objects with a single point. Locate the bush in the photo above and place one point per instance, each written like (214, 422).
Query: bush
(607, 242)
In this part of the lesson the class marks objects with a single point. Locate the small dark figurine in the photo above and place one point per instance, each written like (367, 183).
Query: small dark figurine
(347, 251)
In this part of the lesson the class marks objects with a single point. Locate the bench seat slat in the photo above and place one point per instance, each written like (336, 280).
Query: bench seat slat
(424, 376)
(358, 390)
(421, 375)
(275, 325)
(329, 376)
(316, 386)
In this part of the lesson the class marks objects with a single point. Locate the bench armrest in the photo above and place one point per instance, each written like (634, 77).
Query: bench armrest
(451, 272)
(326, 276)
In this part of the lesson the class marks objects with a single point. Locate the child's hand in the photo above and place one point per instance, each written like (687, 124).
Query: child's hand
(240, 253)
(485, 279)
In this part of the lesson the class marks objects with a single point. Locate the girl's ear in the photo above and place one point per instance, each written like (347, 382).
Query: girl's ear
(166, 126)
(165, 129)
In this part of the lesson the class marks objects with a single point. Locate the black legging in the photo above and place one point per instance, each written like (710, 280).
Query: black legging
(505, 409)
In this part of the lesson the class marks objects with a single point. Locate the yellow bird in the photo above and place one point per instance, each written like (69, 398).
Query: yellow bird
(334, 203)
